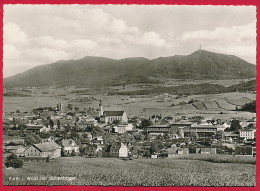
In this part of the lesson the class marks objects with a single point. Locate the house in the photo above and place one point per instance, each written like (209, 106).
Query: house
(174, 151)
(43, 150)
(69, 145)
(230, 137)
(154, 156)
(31, 128)
(122, 128)
(206, 151)
(247, 133)
(244, 151)
(20, 152)
(11, 149)
(117, 149)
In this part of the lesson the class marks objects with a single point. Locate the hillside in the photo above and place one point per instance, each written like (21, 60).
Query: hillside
(99, 71)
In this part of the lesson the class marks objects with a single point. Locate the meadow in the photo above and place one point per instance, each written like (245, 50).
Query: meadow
(214, 105)
(137, 172)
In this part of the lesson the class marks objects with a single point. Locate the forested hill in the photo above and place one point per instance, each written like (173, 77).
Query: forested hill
(99, 71)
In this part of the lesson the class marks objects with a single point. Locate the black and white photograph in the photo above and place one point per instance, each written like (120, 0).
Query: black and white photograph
(129, 95)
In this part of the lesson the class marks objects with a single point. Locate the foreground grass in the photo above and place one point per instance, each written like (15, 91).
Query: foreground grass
(139, 172)
(219, 158)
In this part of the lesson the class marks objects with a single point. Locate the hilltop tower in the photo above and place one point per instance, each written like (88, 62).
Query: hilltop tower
(100, 109)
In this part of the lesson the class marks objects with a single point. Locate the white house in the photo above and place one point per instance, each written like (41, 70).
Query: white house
(123, 151)
(247, 133)
(70, 145)
(122, 128)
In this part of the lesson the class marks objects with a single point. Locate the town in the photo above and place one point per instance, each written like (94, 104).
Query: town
(47, 133)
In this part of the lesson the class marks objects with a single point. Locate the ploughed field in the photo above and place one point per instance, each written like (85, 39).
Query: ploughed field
(190, 171)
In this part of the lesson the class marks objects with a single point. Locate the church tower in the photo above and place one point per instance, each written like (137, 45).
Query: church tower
(100, 109)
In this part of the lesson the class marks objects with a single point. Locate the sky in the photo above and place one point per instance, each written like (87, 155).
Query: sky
(43, 34)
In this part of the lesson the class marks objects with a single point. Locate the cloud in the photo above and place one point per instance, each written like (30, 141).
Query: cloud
(236, 40)
(235, 34)
(13, 34)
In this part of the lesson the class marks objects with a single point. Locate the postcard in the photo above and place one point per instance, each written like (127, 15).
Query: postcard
(129, 96)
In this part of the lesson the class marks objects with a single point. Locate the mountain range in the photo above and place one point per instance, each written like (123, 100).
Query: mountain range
(100, 71)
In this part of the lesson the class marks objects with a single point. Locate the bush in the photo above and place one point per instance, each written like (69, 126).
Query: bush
(13, 161)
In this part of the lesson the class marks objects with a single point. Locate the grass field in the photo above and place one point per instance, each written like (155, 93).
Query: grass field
(138, 172)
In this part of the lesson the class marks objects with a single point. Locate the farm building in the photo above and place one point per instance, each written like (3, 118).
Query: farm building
(20, 152)
(44, 150)
(206, 151)
(11, 149)
(69, 145)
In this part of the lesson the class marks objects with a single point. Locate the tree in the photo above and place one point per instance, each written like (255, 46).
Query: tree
(13, 161)
(220, 134)
(116, 122)
(51, 123)
(73, 153)
(194, 136)
(197, 119)
(154, 148)
(58, 123)
(235, 126)
(175, 130)
(76, 109)
(31, 139)
(70, 106)
(145, 123)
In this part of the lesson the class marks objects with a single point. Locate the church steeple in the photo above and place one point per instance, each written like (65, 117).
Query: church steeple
(100, 109)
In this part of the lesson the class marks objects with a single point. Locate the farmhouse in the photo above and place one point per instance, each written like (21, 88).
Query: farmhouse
(44, 150)
(69, 145)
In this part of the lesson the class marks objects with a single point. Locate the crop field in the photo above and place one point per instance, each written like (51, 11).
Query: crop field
(138, 172)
